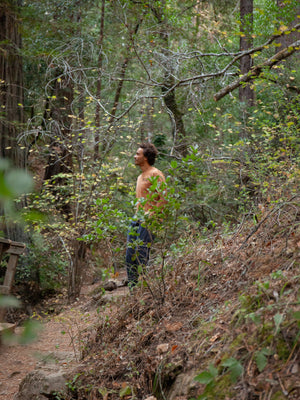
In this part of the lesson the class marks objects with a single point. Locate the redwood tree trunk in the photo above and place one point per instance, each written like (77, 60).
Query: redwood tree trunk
(11, 99)
(11, 85)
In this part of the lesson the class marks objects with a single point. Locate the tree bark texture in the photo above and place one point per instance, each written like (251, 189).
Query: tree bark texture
(76, 269)
(246, 94)
(11, 102)
(11, 85)
(99, 82)
(60, 158)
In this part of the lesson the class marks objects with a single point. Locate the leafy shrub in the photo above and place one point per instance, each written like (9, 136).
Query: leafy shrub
(42, 266)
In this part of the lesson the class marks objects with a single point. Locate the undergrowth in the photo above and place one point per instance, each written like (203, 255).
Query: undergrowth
(228, 328)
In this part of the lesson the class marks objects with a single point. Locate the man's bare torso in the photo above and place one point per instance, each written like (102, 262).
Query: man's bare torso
(143, 184)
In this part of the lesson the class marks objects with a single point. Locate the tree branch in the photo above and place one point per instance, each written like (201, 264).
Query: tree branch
(256, 71)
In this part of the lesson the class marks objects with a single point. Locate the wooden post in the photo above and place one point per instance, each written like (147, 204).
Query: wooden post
(14, 249)
(4, 245)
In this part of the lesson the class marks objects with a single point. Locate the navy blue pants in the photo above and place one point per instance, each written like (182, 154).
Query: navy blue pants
(139, 240)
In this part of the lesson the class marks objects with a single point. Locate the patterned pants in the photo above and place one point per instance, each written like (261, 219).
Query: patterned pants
(139, 241)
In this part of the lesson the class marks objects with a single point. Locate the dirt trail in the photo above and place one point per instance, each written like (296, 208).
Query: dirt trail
(16, 360)
(57, 344)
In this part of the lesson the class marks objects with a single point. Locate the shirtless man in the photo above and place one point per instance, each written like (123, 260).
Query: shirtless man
(137, 255)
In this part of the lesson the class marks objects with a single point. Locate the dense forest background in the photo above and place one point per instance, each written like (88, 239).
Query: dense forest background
(213, 84)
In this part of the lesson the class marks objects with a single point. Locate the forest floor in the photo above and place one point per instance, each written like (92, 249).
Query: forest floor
(222, 323)
(57, 345)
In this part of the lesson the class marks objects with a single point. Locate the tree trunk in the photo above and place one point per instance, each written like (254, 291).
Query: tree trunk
(99, 82)
(11, 85)
(246, 93)
(168, 92)
(11, 100)
(61, 161)
(178, 129)
(60, 158)
(76, 269)
(286, 40)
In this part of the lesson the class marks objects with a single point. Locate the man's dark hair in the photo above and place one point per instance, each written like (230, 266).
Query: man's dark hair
(150, 152)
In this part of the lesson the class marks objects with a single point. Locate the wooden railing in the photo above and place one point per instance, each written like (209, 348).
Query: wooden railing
(14, 249)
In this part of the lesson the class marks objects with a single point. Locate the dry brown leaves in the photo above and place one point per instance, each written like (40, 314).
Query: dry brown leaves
(144, 340)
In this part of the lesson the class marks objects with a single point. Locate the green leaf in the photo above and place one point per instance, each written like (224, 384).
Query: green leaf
(261, 360)
(126, 391)
(9, 301)
(103, 391)
(206, 377)
(296, 315)
(18, 181)
(30, 331)
(235, 367)
(213, 370)
(278, 318)
(4, 189)
(4, 164)
(255, 318)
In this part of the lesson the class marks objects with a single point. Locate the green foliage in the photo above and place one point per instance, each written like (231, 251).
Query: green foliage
(265, 167)
(208, 377)
(262, 340)
(204, 190)
(235, 368)
(126, 391)
(9, 301)
(110, 221)
(261, 358)
(109, 231)
(74, 383)
(30, 331)
(70, 205)
(13, 183)
(214, 378)
(233, 163)
(41, 264)
(271, 320)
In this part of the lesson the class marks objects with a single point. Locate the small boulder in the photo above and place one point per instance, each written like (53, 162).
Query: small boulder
(40, 385)
(110, 286)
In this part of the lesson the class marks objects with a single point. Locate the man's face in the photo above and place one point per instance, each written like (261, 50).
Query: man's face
(139, 158)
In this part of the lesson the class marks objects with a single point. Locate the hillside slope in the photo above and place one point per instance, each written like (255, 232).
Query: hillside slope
(222, 323)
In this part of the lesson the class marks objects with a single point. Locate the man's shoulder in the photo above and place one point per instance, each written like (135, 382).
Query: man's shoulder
(156, 172)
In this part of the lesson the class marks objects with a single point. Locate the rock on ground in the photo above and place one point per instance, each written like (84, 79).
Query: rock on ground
(38, 385)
